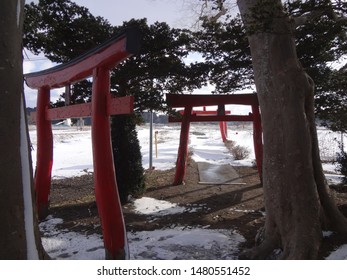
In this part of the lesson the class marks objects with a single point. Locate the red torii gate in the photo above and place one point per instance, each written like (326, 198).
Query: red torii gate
(96, 63)
(190, 101)
(223, 126)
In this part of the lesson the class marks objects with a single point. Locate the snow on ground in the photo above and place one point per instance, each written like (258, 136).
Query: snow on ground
(72, 152)
(339, 254)
(73, 148)
(73, 157)
(184, 244)
(62, 244)
(151, 206)
(175, 243)
(167, 145)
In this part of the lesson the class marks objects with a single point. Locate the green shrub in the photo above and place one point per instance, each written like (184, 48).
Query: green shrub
(127, 157)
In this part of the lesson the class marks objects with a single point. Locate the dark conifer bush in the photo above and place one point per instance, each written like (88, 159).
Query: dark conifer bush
(127, 157)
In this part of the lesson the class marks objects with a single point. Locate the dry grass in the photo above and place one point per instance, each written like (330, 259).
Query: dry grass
(237, 151)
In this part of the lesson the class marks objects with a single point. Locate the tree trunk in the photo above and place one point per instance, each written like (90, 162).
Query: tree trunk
(297, 200)
(19, 235)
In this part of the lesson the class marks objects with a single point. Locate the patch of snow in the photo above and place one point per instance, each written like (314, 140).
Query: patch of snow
(246, 211)
(168, 244)
(151, 206)
(327, 233)
(193, 208)
(329, 167)
(339, 254)
(72, 152)
(167, 146)
(154, 207)
(191, 244)
(334, 179)
(61, 244)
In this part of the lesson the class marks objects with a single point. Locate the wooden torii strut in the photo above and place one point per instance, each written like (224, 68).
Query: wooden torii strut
(196, 100)
(96, 63)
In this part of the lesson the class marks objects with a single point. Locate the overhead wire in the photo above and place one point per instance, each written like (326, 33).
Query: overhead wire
(33, 58)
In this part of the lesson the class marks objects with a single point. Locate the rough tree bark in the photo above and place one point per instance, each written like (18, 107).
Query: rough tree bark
(297, 200)
(19, 235)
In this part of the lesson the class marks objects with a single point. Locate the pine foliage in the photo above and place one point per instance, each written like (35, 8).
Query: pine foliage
(127, 157)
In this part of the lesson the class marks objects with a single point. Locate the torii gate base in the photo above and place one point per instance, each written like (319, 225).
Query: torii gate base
(96, 63)
(190, 101)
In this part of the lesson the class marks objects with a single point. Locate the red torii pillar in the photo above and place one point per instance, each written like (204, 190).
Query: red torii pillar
(96, 63)
(44, 153)
(183, 147)
(223, 127)
(106, 189)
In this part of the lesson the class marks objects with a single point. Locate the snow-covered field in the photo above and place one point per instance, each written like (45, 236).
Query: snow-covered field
(73, 157)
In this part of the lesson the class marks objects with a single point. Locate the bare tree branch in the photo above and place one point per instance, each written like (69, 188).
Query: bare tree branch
(222, 11)
(307, 17)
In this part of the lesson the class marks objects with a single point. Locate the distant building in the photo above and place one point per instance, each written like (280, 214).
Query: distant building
(31, 115)
(156, 118)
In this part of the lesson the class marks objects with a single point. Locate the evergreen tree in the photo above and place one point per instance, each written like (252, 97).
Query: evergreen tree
(225, 48)
(63, 30)
(320, 43)
(127, 157)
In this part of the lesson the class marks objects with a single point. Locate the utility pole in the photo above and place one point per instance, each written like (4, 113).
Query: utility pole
(68, 101)
(342, 143)
(151, 140)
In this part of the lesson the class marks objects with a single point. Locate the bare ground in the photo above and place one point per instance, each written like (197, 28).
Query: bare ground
(234, 207)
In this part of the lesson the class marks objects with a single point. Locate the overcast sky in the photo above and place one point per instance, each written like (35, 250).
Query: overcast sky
(177, 13)
(116, 11)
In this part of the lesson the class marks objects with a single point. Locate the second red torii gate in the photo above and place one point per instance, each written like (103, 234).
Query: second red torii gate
(190, 101)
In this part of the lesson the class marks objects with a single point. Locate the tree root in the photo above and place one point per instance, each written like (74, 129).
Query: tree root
(261, 252)
(331, 216)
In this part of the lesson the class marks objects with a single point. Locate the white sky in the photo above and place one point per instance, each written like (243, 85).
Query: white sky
(173, 12)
